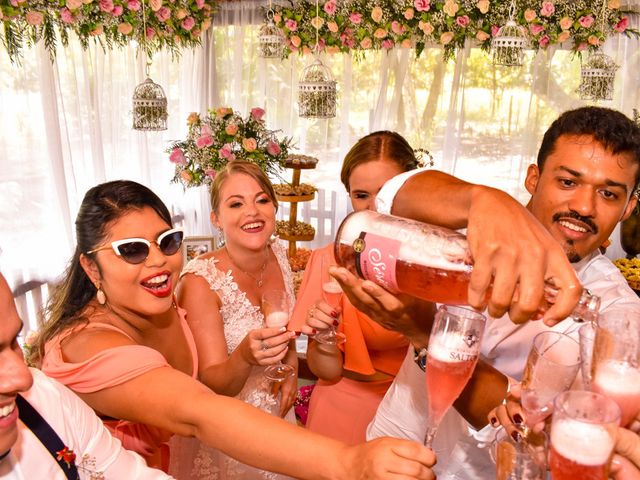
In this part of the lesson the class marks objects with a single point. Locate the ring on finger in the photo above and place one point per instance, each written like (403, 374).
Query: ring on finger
(312, 312)
(263, 345)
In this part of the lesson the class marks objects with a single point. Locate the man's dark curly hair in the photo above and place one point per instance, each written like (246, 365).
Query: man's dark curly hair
(615, 131)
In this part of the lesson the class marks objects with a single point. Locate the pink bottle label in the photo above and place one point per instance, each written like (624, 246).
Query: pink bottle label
(376, 258)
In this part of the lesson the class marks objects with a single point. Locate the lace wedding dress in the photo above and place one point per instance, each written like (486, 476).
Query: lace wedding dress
(190, 459)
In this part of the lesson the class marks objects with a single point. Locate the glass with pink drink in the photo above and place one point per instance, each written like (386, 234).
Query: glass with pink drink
(452, 354)
(616, 362)
(276, 310)
(332, 294)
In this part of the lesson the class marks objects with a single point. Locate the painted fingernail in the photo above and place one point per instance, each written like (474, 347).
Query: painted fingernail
(517, 419)
(298, 333)
(516, 436)
(336, 323)
(314, 331)
(494, 421)
(334, 314)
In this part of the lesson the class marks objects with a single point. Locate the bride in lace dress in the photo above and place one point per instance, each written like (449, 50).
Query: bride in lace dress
(221, 292)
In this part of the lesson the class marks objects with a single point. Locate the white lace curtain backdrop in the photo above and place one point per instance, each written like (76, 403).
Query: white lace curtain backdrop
(66, 126)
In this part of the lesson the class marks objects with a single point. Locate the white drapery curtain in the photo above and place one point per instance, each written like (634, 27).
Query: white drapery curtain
(66, 125)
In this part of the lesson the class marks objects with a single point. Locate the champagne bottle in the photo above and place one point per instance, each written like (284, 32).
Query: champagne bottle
(427, 261)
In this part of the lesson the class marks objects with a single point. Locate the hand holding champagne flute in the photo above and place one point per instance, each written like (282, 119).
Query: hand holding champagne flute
(452, 354)
(332, 294)
(276, 310)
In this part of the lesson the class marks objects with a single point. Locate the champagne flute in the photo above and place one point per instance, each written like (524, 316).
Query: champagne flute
(552, 366)
(583, 433)
(519, 460)
(452, 354)
(616, 362)
(332, 294)
(587, 334)
(276, 310)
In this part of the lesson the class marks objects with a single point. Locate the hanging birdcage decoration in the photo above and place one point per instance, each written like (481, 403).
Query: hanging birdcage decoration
(317, 92)
(271, 41)
(598, 75)
(149, 107)
(509, 44)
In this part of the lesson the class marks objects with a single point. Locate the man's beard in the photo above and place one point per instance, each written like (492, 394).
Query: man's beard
(570, 250)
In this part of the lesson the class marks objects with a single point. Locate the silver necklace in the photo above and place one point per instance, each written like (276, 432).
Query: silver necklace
(259, 281)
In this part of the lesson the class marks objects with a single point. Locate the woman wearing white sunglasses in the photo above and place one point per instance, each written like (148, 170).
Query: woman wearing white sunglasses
(116, 337)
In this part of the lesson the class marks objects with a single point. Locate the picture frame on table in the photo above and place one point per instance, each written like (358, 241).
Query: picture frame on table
(193, 247)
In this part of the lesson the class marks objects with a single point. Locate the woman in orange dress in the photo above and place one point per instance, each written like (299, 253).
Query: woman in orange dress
(354, 376)
(116, 336)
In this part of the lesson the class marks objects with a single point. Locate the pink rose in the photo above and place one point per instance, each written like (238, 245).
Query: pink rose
(593, 40)
(117, 11)
(181, 13)
(150, 33)
(177, 157)
(586, 22)
(422, 5)
(365, 43)
(409, 13)
(446, 37)
(330, 7)
(581, 47)
(163, 14)
(74, 4)
(529, 15)
(482, 36)
(535, 28)
(188, 23)
(231, 129)
(622, 25)
(332, 26)
(204, 141)
(346, 38)
(210, 172)
(277, 18)
(355, 18)
(249, 144)
(257, 113)
(463, 20)
(397, 28)
(494, 30)
(199, 4)
(547, 9)
(380, 33)
(291, 25)
(133, 5)
(426, 27)
(376, 14)
(66, 16)
(106, 5)
(273, 149)
(295, 41)
(565, 23)
(544, 41)
(206, 130)
(563, 37)
(155, 4)
(387, 44)
(34, 18)
(125, 28)
(225, 151)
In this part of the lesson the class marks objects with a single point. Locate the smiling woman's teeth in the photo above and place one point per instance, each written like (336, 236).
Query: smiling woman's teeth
(573, 227)
(155, 282)
(251, 225)
(5, 411)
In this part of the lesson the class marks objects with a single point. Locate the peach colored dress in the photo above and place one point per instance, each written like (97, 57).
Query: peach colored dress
(342, 410)
(112, 367)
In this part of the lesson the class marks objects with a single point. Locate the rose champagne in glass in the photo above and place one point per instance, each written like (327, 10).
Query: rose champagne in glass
(452, 354)
(332, 294)
(276, 309)
(583, 432)
(616, 362)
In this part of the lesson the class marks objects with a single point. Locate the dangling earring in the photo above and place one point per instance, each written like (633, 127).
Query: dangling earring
(100, 296)
(221, 241)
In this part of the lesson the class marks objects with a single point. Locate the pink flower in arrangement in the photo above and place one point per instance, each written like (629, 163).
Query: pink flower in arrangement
(565, 23)
(225, 151)
(529, 15)
(155, 5)
(206, 24)
(422, 5)
(204, 141)
(74, 4)
(181, 13)
(163, 14)
(494, 30)
(186, 176)
(547, 9)
(106, 5)
(34, 18)
(463, 20)
(380, 33)
(231, 129)
(117, 11)
(397, 27)
(257, 113)
(536, 29)
(211, 173)
(376, 14)
(133, 5)
(544, 41)
(366, 43)
(291, 25)
(346, 39)
(295, 40)
(586, 22)
(564, 36)
(125, 28)
(273, 148)
(177, 157)
(387, 44)
(622, 25)
(426, 27)
(222, 112)
(593, 40)
(409, 13)
(206, 130)
(249, 144)
(482, 36)
(150, 33)
(306, 50)
(99, 30)
(330, 7)
(355, 18)
(451, 8)
(581, 47)
(199, 4)
(277, 18)
(332, 26)
(66, 16)
(188, 23)
(406, 43)
(446, 37)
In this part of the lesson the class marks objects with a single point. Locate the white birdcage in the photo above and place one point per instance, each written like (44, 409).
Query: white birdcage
(509, 44)
(598, 76)
(271, 41)
(149, 107)
(317, 95)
